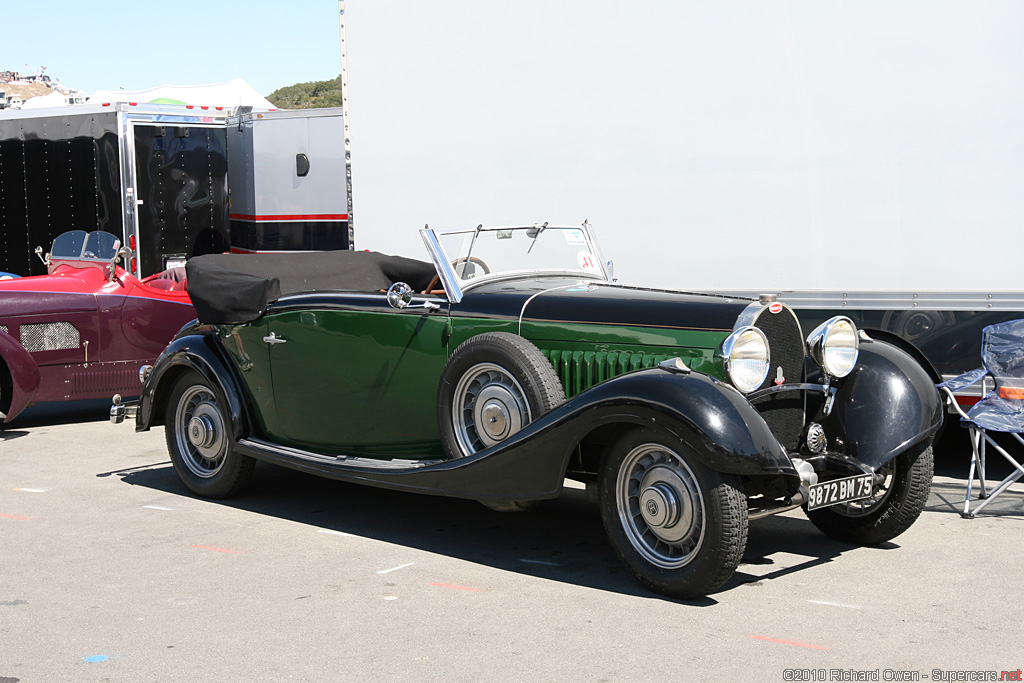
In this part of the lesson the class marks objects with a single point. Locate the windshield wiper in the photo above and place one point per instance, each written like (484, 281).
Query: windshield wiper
(533, 233)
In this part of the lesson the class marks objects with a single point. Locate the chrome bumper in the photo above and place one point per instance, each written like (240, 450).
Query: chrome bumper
(120, 410)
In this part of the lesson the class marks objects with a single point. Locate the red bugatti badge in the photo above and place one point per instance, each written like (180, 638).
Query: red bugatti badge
(775, 307)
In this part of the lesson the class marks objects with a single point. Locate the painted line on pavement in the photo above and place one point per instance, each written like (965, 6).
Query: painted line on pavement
(31, 490)
(809, 646)
(219, 550)
(332, 532)
(835, 604)
(6, 516)
(395, 569)
(157, 507)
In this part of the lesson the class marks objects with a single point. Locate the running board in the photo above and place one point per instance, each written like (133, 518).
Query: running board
(276, 452)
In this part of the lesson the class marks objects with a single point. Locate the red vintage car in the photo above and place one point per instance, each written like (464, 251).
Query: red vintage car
(83, 330)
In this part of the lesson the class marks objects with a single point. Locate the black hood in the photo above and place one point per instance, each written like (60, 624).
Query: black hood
(569, 301)
(623, 305)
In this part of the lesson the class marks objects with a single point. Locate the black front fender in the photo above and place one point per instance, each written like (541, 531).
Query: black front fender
(886, 406)
(715, 421)
(198, 351)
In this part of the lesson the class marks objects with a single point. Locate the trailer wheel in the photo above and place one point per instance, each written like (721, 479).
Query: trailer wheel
(680, 526)
(896, 504)
(200, 440)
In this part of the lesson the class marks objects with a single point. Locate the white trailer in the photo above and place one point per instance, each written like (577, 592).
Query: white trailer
(865, 158)
(290, 189)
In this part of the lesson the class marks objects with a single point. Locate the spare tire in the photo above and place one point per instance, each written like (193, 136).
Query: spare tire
(494, 384)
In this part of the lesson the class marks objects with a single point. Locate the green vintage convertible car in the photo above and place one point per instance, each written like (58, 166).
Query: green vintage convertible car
(511, 361)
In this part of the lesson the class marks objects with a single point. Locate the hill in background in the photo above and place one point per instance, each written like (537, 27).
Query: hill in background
(308, 95)
(25, 90)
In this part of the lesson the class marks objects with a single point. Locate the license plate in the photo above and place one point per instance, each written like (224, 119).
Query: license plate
(839, 491)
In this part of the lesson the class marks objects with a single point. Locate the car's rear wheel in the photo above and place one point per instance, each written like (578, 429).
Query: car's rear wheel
(493, 385)
(200, 439)
(679, 525)
(896, 504)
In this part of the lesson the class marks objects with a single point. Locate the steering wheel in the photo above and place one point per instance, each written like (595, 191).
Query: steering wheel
(475, 261)
(436, 280)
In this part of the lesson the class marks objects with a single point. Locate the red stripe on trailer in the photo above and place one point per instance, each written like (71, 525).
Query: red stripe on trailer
(292, 217)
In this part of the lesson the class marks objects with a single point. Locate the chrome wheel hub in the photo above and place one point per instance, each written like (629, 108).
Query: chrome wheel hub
(200, 432)
(495, 419)
(488, 406)
(660, 506)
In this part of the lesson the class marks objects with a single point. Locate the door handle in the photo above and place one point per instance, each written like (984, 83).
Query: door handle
(273, 339)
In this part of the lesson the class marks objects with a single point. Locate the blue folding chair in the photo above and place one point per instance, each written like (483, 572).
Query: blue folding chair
(1002, 410)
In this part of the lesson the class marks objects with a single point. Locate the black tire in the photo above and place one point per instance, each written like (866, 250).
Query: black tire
(680, 526)
(897, 503)
(494, 384)
(200, 439)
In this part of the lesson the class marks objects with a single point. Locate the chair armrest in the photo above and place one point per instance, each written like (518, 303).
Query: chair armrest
(958, 384)
(963, 381)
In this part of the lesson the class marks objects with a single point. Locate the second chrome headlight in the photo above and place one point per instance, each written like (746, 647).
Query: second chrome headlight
(834, 346)
(746, 355)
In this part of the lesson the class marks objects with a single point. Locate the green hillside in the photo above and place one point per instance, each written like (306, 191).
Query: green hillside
(308, 95)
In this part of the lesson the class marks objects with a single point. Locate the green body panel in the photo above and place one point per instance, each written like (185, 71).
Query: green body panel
(357, 382)
(585, 355)
(463, 329)
(252, 358)
(363, 380)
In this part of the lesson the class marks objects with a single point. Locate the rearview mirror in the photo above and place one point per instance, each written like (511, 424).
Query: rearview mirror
(399, 295)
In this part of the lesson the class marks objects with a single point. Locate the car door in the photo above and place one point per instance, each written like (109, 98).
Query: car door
(351, 375)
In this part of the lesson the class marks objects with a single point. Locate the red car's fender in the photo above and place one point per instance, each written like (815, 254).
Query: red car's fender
(23, 374)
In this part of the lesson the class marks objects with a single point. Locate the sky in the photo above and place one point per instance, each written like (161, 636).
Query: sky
(739, 144)
(137, 45)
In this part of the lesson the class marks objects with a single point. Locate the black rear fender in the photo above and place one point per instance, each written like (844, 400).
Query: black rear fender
(201, 353)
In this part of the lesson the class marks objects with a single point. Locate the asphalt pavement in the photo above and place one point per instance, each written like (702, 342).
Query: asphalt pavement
(111, 571)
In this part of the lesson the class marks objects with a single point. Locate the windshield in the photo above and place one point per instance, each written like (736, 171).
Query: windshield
(91, 246)
(486, 253)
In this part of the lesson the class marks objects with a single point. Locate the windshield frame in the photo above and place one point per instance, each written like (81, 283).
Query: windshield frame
(90, 239)
(456, 287)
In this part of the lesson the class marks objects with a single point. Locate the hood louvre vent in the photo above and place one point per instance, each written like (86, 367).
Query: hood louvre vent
(580, 370)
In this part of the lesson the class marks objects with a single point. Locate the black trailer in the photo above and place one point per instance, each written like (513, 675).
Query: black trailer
(157, 176)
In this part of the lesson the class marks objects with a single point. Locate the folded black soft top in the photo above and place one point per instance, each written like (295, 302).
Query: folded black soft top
(236, 288)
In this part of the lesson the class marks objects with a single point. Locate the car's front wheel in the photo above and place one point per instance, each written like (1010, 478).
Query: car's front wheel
(679, 525)
(895, 505)
(200, 439)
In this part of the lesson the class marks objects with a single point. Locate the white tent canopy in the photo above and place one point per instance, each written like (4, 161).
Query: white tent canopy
(233, 93)
(54, 99)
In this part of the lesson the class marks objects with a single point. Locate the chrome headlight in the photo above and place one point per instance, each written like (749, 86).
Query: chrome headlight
(834, 346)
(746, 357)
